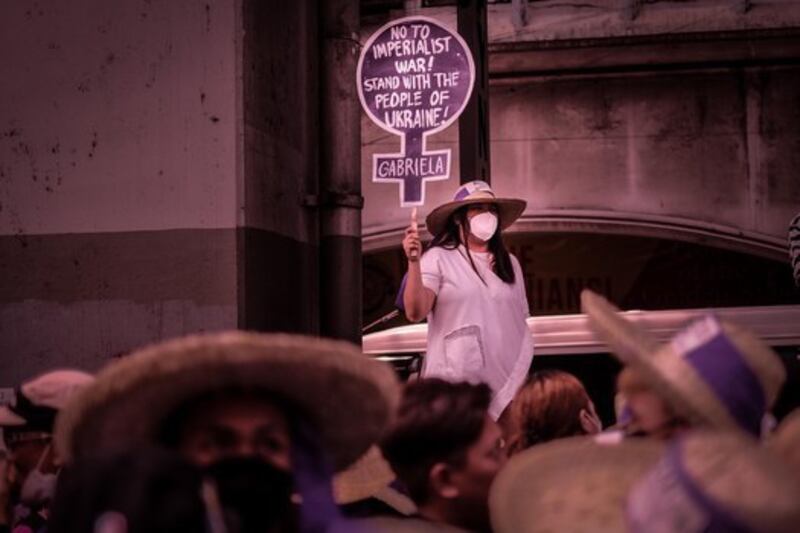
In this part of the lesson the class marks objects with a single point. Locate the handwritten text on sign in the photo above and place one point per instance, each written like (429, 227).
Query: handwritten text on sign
(414, 78)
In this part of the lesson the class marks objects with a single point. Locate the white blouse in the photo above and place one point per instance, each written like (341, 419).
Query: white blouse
(476, 332)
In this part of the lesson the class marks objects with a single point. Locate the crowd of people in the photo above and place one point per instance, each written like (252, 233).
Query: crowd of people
(254, 432)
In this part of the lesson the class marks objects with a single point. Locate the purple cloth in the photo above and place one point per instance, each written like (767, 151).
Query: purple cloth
(625, 416)
(720, 520)
(462, 193)
(668, 498)
(398, 301)
(312, 480)
(720, 364)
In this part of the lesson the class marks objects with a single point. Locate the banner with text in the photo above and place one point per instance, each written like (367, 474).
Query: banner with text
(414, 78)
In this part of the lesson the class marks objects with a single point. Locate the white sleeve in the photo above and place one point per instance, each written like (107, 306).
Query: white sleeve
(431, 270)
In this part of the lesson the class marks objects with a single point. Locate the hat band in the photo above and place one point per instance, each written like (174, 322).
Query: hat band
(722, 367)
(719, 519)
(466, 194)
(667, 496)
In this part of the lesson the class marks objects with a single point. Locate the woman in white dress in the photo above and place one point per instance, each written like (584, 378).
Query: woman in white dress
(472, 291)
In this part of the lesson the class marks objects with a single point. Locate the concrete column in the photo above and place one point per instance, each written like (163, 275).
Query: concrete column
(277, 236)
(340, 198)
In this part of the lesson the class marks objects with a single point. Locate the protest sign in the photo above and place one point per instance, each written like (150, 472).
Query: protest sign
(414, 79)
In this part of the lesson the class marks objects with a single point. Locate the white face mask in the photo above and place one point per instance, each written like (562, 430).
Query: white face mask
(38, 487)
(483, 226)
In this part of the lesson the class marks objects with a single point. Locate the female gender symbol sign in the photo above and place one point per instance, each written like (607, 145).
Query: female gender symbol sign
(414, 78)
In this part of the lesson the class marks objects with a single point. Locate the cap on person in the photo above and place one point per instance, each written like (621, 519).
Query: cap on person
(38, 401)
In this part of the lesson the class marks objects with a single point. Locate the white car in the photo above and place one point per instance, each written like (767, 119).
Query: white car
(567, 342)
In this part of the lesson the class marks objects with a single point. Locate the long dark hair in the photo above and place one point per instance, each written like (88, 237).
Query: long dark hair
(450, 238)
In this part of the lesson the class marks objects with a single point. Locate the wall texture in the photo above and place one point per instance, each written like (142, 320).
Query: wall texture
(119, 172)
(675, 121)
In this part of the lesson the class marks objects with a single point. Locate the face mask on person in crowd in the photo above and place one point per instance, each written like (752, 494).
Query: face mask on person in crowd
(38, 487)
(483, 225)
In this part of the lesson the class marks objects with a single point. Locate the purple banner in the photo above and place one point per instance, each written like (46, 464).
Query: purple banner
(414, 78)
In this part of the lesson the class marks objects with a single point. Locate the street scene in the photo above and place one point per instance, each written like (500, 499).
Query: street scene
(512, 266)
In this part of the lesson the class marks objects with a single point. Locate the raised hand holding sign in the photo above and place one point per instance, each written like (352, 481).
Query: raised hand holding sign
(414, 78)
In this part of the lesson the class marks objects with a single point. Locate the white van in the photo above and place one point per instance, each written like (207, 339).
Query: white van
(568, 343)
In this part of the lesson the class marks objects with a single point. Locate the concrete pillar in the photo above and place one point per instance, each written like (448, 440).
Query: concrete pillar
(277, 251)
(340, 180)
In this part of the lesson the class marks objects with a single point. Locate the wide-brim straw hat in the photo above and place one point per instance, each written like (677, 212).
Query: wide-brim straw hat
(715, 481)
(8, 418)
(577, 484)
(475, 192)
(370, 477)
(346, 397)
(701, 479)
(712, 372)
(785, 442)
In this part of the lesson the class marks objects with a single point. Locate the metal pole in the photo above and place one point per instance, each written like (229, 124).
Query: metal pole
(473, 125)
(340, 200)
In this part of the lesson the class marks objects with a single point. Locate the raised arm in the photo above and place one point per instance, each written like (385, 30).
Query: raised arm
(417, 299)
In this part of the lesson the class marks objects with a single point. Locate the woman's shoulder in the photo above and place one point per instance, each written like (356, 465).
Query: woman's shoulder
(438, 252)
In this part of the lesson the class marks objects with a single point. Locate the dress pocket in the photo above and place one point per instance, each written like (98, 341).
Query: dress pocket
(464, 355)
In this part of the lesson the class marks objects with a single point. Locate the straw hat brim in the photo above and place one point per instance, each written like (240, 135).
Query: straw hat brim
(576, 484)
(403, 524)
(370, 477)
(785, 442)
(9, 418)
(672, 378)
(347, 397)
(508, 211)
(363, 479)
(743, 478)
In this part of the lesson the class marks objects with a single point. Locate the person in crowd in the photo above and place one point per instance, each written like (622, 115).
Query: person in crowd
(153, 490)
(31, 467)
(472, 291)
(446, 450)
(645, 412)
(551, 405)
(701, 481)
(294, 409)
(149, 490)
(710, 374)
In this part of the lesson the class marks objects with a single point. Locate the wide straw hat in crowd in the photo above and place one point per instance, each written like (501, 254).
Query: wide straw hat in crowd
(347, 397)
(577, 484)
(715, 481)
(38, 400)
(370, 477)
(785, 442)
(475, 192)
(713, 373)
(703, 481)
